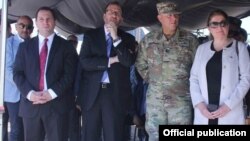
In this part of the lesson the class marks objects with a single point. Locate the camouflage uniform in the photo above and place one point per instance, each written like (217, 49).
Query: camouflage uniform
(166, 65)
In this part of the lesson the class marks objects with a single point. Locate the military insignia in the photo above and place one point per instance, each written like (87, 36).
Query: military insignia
(165, 57)
(167, 50)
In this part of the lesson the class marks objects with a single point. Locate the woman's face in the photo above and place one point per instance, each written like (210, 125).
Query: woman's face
(218, 27)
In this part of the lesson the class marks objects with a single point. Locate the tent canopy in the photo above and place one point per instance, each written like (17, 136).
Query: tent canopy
(77, 16)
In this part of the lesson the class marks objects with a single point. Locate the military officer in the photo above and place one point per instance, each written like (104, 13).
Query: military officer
(164, 60)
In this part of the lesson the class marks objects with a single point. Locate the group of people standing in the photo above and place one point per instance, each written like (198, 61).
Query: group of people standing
(188, 83)
(40, 74)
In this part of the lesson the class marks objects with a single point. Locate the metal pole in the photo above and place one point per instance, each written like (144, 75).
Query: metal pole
(2, 55)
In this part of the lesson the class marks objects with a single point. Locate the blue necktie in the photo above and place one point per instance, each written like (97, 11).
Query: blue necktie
(109, 43)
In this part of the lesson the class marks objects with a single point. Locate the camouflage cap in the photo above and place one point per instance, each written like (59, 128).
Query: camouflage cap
(167, 7)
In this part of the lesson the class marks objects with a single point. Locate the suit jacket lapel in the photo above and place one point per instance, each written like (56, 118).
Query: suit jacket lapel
(102, 38)
(35, 52)
(35, 57)
(52, 52)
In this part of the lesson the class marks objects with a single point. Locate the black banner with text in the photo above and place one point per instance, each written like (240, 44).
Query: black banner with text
(202, 132)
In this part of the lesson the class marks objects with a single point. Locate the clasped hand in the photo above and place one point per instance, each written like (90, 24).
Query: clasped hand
(219, 113)
(40, 97)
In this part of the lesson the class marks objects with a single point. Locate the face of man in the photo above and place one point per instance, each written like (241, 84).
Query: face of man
(169, 21)
(113, 15)
(24, 27)
(45, 23)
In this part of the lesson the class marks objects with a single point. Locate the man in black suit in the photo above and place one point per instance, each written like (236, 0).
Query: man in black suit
(105, 86)
(44, 72)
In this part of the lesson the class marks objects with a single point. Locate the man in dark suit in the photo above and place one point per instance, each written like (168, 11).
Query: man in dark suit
(105, 86)
(74, 125)
(44, 72)
(24, 28)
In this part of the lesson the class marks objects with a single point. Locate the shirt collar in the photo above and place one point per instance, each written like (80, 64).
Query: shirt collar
(174, 37)
(106, 31)
(50, 38)
(21, 39)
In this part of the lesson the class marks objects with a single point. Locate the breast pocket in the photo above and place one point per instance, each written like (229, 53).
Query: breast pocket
(154, 62)
(154, 55)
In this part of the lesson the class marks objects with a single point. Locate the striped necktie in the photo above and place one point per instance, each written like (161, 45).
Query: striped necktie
(109, 44)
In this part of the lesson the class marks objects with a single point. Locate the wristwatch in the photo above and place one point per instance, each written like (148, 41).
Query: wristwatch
(117, 39)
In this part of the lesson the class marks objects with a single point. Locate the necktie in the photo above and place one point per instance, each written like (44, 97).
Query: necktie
(43, 56)
(109, 43)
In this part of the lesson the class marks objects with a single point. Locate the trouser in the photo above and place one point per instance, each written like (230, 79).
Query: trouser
(170, 110)
(53, 126)
(5, 121)
(103, 118)
(16, 125)
(74, 131)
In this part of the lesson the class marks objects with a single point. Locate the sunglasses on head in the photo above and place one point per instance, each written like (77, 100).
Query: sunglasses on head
(218, 24)
(22, 26)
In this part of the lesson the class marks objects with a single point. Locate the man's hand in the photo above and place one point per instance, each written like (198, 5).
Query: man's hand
(113, 60)
(41, 97)
(137, 121)
(112, 29)
(36, 97)
(46, 95)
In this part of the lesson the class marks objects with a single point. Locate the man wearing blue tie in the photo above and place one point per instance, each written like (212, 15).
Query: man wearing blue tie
(106, 57)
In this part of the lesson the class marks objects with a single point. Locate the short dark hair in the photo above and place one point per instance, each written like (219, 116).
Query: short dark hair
(71, 36)
(26, 17)
(217, 12)
(243, 32)
(112, 3)
(45, 8)
(235, 21)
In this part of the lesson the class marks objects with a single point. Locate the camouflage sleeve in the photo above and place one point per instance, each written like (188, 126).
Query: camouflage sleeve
(194, 46)
(141, 63)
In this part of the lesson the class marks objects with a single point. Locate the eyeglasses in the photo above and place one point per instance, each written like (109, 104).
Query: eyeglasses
(22, 26)
(111, 12)
(217, 24)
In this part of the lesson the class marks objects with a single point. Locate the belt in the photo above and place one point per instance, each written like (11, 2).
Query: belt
(104, 85)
